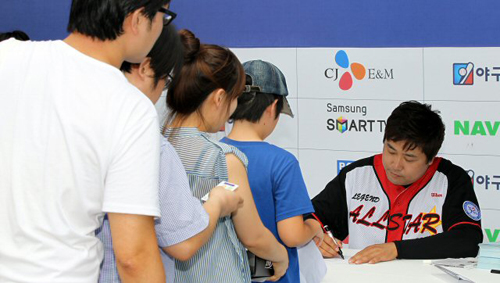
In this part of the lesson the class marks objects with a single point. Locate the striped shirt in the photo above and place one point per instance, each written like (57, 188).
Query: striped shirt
(223, 258)
(182, 216)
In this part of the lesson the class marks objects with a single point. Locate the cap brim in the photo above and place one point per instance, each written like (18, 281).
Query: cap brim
(286, 108)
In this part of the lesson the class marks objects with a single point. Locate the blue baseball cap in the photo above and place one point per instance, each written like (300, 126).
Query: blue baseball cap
(267, 78)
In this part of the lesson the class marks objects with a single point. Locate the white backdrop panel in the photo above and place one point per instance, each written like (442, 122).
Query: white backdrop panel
(442, 81)
(480, 137)
(486, 177)
(389, 73)
(318, 102)
(360, 128)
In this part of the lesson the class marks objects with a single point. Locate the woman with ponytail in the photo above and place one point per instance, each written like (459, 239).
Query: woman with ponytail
(185, 225)
(201, 98)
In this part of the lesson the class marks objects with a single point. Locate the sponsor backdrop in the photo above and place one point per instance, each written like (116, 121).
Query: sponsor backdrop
(342, 96)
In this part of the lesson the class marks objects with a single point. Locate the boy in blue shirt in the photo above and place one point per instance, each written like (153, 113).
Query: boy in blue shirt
(274, 174)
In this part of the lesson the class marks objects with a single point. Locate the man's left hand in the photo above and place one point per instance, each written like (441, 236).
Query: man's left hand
(375, 253)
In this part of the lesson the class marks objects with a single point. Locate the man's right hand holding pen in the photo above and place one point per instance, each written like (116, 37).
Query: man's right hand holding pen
(330, 247)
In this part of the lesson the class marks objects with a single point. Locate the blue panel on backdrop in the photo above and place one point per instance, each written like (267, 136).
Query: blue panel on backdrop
(41, 20)
(293, 23)
(346, 23)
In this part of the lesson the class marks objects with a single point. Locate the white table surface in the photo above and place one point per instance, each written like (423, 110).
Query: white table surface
(402, 271)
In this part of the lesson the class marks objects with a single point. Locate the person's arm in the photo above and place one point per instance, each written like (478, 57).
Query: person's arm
(331, 209)
(296, 232)
(291, 201)
(220, 203)
(136, 249)
(131, 190)
(461, 241)
(248, 225)
(461, 233)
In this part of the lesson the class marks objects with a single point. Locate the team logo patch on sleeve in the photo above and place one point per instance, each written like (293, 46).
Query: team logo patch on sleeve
(472, 210)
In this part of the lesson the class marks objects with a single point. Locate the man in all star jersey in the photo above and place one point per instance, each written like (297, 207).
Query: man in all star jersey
(404, 203)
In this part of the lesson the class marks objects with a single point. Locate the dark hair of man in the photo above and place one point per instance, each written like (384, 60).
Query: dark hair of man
(251, 105)
(17, 34)
(103, 19)
(166, 55)
(418, 125)
(206, 68)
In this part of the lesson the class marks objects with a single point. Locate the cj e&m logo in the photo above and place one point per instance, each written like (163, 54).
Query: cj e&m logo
(476, 128)
(357, 70)
(463, 73)
(342, 124)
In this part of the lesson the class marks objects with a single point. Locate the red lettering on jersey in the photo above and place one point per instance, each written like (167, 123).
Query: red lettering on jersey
(369, 214)
(423, 221)
(382, 219)
(406, 220)
(429, 220)
(355, 213)
(415, 224)
(394, 221)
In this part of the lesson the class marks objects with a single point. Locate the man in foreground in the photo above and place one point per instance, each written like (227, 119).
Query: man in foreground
(78, 141)
(404, 203)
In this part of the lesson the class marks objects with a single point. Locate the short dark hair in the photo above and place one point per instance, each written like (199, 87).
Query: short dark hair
(166, 55)
(418, 125)
(103, 19)
(251, 105)
(17, 34)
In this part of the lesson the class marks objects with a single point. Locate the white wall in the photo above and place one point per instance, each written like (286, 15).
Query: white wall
(393, 75)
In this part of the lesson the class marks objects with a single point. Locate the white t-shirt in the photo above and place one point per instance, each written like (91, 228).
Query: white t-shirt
(76, 140)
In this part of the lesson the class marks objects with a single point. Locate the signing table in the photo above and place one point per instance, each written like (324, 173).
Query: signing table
(404, 271)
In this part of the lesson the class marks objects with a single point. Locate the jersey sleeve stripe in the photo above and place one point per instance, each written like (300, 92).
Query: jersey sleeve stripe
(460, 223)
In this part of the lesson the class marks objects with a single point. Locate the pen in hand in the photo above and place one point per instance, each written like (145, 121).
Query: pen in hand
(327, 230)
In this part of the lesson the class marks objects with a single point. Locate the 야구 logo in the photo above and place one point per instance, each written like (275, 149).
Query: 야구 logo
(463, 73)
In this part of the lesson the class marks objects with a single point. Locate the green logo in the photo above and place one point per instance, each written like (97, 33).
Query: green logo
(492, 237)
(482, 128)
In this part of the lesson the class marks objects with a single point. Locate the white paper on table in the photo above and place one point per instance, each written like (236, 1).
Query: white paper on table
(311, 264)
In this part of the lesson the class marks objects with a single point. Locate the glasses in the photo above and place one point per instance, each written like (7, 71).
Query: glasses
(168, 17)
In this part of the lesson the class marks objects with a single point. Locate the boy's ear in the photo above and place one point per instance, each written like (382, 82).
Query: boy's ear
(145, 68)
(271, 109)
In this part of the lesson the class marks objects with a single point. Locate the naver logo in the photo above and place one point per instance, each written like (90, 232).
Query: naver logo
(476, 128)
(492, 234)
